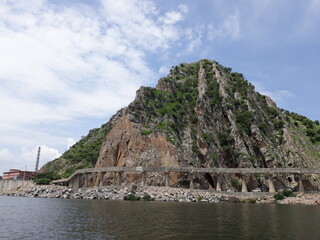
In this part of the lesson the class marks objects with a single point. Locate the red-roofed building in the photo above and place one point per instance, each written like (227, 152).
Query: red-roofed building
(18, 174)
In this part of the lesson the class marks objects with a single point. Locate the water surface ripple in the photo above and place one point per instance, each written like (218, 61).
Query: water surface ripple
(35, 218)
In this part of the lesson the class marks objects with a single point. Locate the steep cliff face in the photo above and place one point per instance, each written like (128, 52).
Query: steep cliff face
(204, 115)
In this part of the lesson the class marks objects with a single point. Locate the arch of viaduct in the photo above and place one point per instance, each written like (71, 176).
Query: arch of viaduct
(74, 180)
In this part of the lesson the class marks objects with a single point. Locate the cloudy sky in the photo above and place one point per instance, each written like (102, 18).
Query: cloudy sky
(67, 66)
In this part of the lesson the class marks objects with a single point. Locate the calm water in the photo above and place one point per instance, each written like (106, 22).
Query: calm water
(33, 218)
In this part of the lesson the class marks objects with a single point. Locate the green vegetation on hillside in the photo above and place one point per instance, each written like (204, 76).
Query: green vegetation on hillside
(46, 177)
(228, 109)
(311, 128)
(83, 154)
(178, 106)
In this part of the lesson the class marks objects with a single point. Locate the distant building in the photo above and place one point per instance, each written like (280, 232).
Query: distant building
(0, 177)
(18, 174)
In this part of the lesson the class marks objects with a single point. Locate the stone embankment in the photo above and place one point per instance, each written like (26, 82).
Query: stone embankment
(302, 198)
(119, 193)
(158, 194)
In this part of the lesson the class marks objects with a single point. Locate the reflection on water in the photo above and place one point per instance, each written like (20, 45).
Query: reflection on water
(28, 218)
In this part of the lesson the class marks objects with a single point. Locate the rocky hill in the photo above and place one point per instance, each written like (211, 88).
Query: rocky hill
(203, 115)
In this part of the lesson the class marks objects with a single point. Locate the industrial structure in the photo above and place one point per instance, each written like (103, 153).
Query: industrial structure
(16, 174)
(38, 158)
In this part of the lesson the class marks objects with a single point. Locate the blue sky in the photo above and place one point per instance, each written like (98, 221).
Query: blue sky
(67, 66)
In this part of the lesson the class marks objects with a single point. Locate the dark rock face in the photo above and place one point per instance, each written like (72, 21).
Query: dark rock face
(204, 115)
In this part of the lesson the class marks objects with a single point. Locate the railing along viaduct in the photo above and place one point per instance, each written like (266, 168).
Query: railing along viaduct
(74, 180)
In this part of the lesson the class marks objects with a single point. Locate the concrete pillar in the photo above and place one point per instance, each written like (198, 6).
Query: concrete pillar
(270, 184)
(244, 185)
(69, 183)
(114, 178)
(166, 179)
(77, 181)
(74, 182)
(191, 184)
(86, 179)
(101, 183)
(218, 186)
(143, 179)
(301, 188)
(119, 180)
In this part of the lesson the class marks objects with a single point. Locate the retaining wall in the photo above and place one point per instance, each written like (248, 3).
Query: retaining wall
(13, 185)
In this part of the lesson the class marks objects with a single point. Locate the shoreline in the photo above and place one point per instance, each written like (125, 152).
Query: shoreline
(153, 193)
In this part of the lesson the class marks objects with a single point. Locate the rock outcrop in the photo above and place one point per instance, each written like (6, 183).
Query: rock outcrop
(204, 115)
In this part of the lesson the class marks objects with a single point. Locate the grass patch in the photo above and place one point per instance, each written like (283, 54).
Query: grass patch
(284, 194)
(147, 197)
(288, 193)
(145, 132)
(131, 197)
(199, 198)
(249, 200)
(278, 196)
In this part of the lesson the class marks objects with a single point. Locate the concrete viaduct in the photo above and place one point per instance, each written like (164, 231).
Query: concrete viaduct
(74, 180)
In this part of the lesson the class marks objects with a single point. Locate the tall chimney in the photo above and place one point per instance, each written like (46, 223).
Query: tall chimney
(38, 158)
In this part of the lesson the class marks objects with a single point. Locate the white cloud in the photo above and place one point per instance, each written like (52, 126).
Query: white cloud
(194, 44)
(62, 62)
(164, 69)
(309, 23)
(6, 155)
(194, 40)
(279, 96)
(144, 28)
(70, 142)
(273, 22)
(183, 8)
(26, 158)
(230, 28)
(313, 8)
(172, 17)
(8, 160)
(29, 155)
